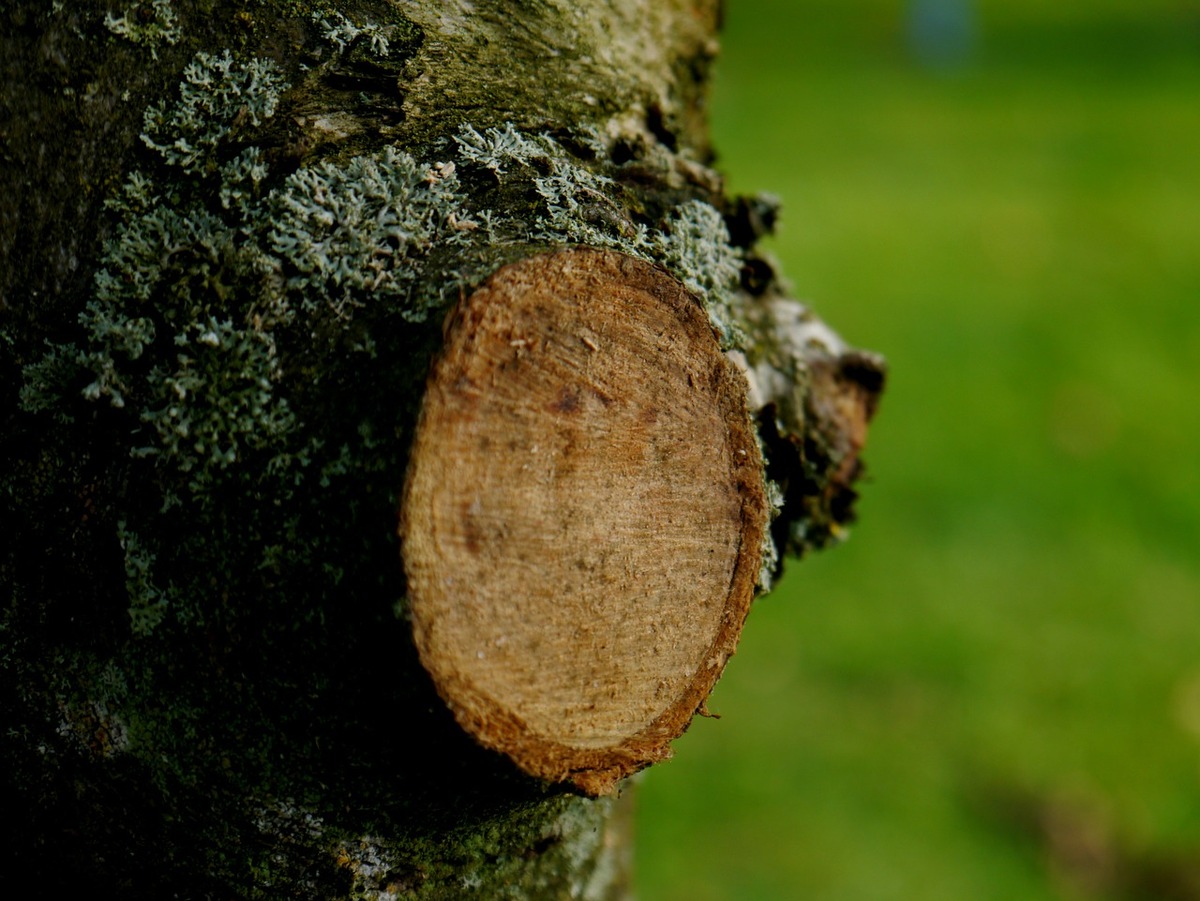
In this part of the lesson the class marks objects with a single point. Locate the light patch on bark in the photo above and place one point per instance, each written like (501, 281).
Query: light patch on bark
(566, 61)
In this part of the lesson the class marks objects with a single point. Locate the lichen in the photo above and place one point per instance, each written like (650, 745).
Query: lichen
(771, 552)
(581, 208)
(490, 858)
(343, 33)
(494, 148)
(147, 602)
(696, 248)
(45, 381)
(361, 230)
(217, 94)
(585, 204)
(146, 23)
(169, 289)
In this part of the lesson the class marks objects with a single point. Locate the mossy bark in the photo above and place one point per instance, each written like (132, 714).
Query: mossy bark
(229, 232)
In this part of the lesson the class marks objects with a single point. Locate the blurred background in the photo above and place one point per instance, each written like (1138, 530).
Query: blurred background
(992, 691)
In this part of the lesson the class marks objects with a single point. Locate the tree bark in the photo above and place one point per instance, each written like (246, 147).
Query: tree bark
(271, 271)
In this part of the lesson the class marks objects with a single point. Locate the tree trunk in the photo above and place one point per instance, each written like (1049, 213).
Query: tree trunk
(271, 272)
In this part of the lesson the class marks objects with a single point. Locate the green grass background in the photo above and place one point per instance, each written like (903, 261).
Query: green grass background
(992, 691)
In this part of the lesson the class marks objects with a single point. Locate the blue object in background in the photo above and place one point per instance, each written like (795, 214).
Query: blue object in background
(942, 33)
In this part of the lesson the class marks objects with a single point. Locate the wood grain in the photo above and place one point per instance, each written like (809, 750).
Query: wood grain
(583, 515)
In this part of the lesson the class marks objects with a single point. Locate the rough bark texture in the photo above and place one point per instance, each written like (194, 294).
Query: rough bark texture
(229, 233)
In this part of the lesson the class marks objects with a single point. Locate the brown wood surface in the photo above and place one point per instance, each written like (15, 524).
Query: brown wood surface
(584, 514)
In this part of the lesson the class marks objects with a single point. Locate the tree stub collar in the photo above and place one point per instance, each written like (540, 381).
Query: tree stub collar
(584, 515)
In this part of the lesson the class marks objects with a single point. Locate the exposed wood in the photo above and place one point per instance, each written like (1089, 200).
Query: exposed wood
(584, 515)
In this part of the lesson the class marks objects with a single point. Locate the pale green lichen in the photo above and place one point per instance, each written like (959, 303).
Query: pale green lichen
(45, 382)
(174, 274)
(770, 552)
(148, 23)
(361, 230)
(217, 93)
(344, 33)
(581, 209)
(226, 359)
(493, 148)
(696, 247)
(581, 205)
(212, 395)
(241, 181)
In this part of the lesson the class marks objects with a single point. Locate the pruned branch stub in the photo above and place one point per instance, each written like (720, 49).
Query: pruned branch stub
(583, 516)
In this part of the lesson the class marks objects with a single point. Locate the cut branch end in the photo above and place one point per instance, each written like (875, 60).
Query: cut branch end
(584, 515)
